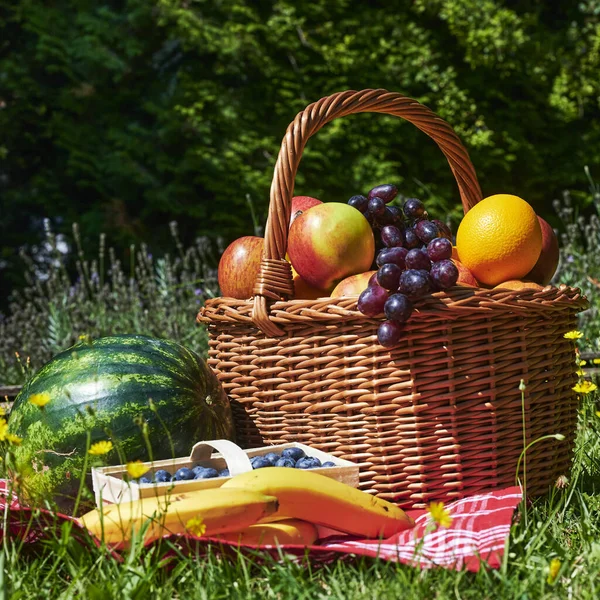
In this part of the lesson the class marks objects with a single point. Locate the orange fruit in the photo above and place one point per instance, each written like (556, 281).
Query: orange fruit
(499, 239)
(518, 284)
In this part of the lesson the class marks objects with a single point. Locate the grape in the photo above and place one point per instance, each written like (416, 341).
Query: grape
(426, 231)
(444, 274)
(376, 207)
(414, 283)
(414, 208)
(387, 192)
(359, 202)
(394, 256)
(391, 236)
(418, 259)
(372, 300)
(388, 276)
(395, 214)
(444, 230)
(439, 249)
(373, 279)
(411, 240)
(398, 308)
(389, 333)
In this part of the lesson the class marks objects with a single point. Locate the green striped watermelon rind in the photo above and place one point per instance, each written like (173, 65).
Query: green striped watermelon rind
(111, 381)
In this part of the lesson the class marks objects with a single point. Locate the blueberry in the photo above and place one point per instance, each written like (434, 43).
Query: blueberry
(285, 462)
(144, 480)
(209, 473)
(293, 453)
(224, 473)
(183, 474)
(272, 457)
(329, 464)
(162, 476)
(260, 462)
(309, 462)
(198, 469)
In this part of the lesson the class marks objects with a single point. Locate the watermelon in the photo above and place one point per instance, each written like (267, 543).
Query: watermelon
(113, 388)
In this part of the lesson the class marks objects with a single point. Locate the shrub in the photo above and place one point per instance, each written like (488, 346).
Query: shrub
(68, 296)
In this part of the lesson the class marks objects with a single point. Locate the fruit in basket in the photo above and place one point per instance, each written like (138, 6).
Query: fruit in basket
(239, 266)
(308, 462)
(301, 204)
(444, 274)
(465, 277)
(330, 242)
(546, 265)
(285, 462)
(162, 476)
(289, 532)
(293, 453)
(499, 239)
(183, 474)
(520, 285)
(302, 494)
(219, 510)
(372, 300)
(105, 385)
(305, 291)
(353, 285)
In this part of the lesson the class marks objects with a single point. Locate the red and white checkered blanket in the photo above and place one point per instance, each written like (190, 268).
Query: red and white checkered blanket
(478, 533)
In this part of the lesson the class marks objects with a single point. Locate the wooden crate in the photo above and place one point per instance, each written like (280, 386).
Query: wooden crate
(111, 486)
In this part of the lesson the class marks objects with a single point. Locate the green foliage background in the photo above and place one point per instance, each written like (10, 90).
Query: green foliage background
(122, 115)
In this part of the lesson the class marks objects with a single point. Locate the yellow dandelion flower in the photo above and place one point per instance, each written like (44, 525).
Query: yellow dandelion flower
(585, 387)
(13, 439)
(3, 429)
(596, 361)
(196, 526)
(99, 448)
(40, 400)
(579, 373)
(582, 363)
(553, 570)
(136, 469)
(573, 335)
(2, 411)
(439, 514)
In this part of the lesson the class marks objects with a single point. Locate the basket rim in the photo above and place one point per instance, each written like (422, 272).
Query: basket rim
(457, 302)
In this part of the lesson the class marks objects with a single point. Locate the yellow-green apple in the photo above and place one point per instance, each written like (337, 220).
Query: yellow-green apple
(300, 204)
(465, 277)
(239, 266)
(330, 242)
(353, 285)
(545, 267)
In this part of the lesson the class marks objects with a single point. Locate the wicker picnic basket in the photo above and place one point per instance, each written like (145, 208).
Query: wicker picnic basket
(440, 416)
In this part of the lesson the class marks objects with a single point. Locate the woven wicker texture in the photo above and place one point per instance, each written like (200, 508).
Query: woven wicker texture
(440, 416)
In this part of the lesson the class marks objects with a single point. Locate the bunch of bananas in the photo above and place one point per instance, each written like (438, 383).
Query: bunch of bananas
(264, 506)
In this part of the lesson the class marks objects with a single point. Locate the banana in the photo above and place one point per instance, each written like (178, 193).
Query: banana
(324, 501)
(290, 531)
(216, 510)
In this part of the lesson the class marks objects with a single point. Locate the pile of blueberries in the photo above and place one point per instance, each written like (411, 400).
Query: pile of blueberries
(289, 457)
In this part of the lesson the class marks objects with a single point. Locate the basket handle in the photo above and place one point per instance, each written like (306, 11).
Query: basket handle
(275, 278)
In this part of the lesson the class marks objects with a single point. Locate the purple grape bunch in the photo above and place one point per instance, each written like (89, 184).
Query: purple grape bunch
(414, 258)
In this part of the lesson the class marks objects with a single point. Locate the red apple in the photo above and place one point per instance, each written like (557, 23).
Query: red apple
(545, 267)
(465, 277)
(330, 242)
(353, 285)
(301, 204)
(239, 266)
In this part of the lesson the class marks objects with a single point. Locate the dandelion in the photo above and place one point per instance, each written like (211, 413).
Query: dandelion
(2, 411)
(596, 361)
(553, 570)
(562, 481)
(137, 469)
(99, 448)
(40, 400)
(439, 514)
(196, 526)
(584, 387)
(5, 436)
(573, 335)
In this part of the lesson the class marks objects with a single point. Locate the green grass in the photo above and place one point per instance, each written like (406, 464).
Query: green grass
(564, 525)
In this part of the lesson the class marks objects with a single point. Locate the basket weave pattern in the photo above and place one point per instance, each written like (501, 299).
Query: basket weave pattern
(438, 417)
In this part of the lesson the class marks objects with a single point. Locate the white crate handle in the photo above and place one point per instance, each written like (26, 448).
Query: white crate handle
(237, 460)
